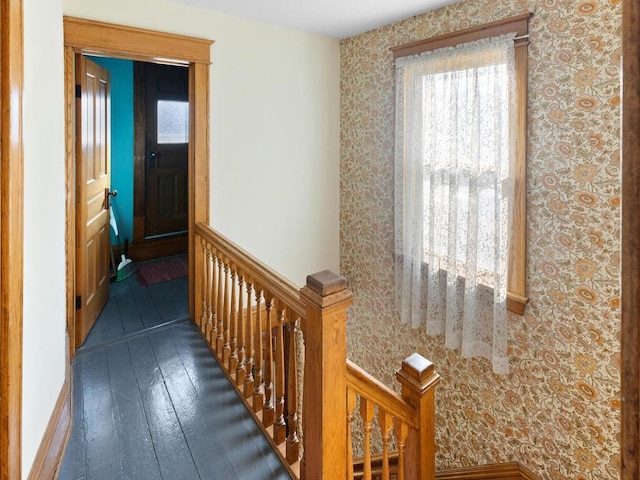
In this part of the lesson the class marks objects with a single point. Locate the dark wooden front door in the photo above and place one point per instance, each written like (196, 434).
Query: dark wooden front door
(166, 149)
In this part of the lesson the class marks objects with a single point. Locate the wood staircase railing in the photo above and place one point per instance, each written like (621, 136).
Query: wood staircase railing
(410, 415)
(278, 343)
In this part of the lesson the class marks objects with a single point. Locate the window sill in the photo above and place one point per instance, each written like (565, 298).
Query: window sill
(516, 303)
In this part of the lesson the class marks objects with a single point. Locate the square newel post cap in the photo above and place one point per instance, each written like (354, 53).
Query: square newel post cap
(417, 373)
(326, 282)
(326, 288)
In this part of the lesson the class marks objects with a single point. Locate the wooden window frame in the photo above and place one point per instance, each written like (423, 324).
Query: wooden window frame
(516, 280)
(630, 330)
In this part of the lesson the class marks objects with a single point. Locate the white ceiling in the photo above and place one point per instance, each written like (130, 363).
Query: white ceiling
(333, 18)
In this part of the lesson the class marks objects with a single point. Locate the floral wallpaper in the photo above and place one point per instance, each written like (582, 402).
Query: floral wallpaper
(557, 412)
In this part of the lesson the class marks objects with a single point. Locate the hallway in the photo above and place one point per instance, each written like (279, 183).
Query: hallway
(151, 402)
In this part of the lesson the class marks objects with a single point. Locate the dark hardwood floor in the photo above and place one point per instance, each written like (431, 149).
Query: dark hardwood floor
(151, 402)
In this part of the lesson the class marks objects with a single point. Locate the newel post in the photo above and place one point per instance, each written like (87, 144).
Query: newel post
(325, 388)
(419, 379)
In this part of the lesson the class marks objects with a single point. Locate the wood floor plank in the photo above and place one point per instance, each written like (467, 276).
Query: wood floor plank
(174, 456)
(171, 448)
(101, 435)
(149, 314)
(129, 312)
(183, 282)
(137, 455)
(170, 300)
(144, 363)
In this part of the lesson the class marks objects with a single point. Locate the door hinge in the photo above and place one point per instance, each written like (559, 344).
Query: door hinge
(78, 302)
(78, 91)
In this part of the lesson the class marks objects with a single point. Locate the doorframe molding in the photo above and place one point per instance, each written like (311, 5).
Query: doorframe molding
(11, 236)
(110, 40)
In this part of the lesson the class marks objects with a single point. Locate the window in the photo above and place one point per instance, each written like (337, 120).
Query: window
(460, 167)
(173, 122)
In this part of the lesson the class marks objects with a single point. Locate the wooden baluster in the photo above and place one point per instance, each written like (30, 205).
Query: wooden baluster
(215, 276)
(228, 351)
(223, 334)
(386, 422)
(240, 365)
(248, 378)
(222, 282)
(210, 292)
(233, 333)
(258, 388)
(419, 379)
(280, 426)
(268, 410)
(401, 431)
(352, 400)
(204, 283)
(367, 410)
(293, 441)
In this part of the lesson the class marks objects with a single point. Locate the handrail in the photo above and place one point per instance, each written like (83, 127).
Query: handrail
(411, 417)
(259, 272)
(370, 387)
(258, 325)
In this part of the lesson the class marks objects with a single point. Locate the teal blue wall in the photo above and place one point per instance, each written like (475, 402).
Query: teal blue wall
(121, 73)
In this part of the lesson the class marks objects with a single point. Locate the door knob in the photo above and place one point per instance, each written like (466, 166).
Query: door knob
(107, 195)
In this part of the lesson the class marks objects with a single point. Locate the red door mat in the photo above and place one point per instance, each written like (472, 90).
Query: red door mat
(162, 271)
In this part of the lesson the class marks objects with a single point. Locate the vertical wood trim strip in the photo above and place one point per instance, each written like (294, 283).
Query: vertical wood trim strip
(139, 126)
(11, 235)
(630, 430)
(198, 166)
(517, 253)
(70, 200)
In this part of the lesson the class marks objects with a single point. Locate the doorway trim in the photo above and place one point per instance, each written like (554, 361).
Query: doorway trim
(11, 236)
(105, 39)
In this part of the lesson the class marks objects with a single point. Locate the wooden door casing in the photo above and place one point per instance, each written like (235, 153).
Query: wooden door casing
(11, 238)
(112, 40)
(93, 181)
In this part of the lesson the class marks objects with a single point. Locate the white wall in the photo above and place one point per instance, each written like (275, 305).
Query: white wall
(44, 197)
(274, 130)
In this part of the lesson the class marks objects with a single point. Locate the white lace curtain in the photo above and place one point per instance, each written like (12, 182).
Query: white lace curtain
(454, 153)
